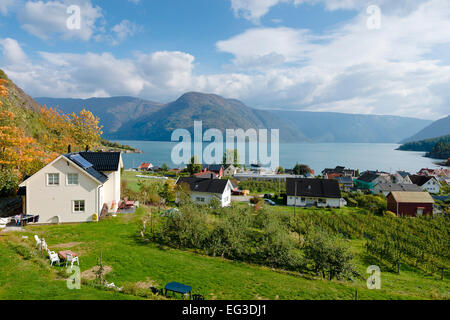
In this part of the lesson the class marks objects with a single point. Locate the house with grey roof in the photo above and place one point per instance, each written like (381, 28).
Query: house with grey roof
(386, 188)
(426, 183)
(303, 192)
(75, 187)
(204, 190)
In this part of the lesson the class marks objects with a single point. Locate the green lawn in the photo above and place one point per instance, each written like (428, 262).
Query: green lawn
(130, 178)
(25, 275)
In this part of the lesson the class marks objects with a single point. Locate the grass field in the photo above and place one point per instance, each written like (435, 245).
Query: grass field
(26, 275)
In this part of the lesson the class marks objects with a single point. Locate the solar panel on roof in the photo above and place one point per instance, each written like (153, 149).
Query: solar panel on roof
(81, 161)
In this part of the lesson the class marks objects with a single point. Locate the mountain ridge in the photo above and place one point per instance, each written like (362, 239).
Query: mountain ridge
(130, 118)
(436, 129)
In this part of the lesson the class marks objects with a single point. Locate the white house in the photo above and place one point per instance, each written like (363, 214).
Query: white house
(314, 192)
(427, 183)
(202, 191)
(386, 188)
(401, 177)
(74, 187)
(230, 171)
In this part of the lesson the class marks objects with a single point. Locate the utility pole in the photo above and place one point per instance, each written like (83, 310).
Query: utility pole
(295, 198)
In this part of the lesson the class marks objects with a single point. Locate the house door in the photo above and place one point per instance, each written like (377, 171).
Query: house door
(420, 212)
(100, 199)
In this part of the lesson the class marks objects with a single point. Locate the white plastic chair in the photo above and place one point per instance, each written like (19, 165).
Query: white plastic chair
(44, 245)
(38, 241)
(53, 256)
(71, 259)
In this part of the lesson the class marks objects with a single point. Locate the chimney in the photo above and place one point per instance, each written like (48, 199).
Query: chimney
(87, 148)
(69, 149)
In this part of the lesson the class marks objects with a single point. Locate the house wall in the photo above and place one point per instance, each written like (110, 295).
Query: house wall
(225, 198)
(330, 202)
(112, 189)
(432, 186)
(408, 209)
(50, 202)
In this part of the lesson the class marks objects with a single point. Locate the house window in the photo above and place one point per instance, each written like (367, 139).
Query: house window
(72, 179)
(322, 201)
(79, 206)
(200, 199)
(303, 200)
(53, 179)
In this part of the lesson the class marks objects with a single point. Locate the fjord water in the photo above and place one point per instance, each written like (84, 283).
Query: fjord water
(362, 156)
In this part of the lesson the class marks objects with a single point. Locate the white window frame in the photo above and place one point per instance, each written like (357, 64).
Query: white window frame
(74, 206)
(73, 174)
(53, 180)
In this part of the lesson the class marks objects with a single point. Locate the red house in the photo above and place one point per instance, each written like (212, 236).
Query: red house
(410, 204)
(145, 166)
(216, 168)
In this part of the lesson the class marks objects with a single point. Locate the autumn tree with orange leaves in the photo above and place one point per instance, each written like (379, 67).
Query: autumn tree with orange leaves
(22, 155)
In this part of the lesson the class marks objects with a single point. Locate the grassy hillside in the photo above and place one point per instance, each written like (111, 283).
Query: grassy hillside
(24, 107)
(137, 265)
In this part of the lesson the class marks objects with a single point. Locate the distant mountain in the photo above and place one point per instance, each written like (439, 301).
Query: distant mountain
(137, 119)
(438, 128)
(130, 118)
(213, 110)
(114, 113)
(357, 128)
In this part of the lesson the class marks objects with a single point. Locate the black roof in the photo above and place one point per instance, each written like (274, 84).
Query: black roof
(321, 188)
(420, 180)
(204, 185)
(338, 169)
(103, 161)
(345, 179)
(212, 167)
(88, 169)
(368, 176)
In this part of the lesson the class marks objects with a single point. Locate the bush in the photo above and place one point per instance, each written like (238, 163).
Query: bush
(329, 254)
(8, 183)
(389, 214)
(256, 200)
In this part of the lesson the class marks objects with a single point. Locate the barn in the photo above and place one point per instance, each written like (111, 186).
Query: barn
(410, 204)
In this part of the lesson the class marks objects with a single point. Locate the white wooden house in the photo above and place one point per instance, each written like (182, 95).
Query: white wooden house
(74, 187)
(202, 190)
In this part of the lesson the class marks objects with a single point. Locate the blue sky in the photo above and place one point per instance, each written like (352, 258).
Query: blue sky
(355, 56)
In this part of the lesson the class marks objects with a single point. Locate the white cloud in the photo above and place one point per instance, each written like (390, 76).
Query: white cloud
(253, 9)
(267, 46)
(160, 74)
(13, 54)
(45, 19)
(124, 30)
(351, 69)
(5, 5)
